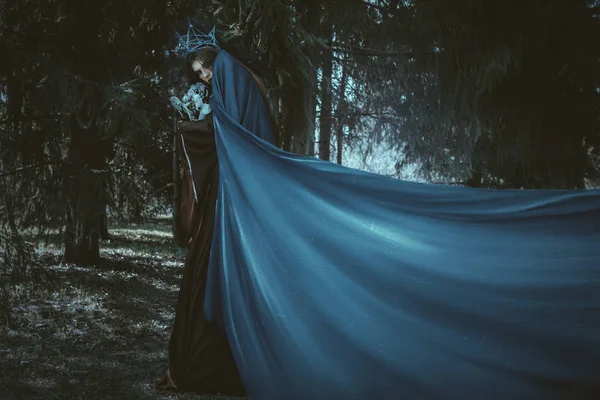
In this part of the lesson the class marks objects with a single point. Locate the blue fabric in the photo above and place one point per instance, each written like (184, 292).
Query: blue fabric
(333, 283)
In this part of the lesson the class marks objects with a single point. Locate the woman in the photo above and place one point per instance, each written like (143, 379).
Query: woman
(199, 356)
(331, 283)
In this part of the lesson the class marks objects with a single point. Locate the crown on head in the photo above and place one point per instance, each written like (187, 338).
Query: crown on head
(195, 40)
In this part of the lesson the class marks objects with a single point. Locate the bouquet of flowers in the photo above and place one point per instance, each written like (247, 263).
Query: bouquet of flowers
(193, 106)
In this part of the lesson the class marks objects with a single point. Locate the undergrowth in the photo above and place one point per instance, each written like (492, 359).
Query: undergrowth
(94, 332)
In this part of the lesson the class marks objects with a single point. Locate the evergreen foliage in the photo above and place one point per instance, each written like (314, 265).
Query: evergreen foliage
(496, 94)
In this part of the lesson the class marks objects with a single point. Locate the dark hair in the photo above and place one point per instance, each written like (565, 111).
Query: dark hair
(239, 51)
(206, 57)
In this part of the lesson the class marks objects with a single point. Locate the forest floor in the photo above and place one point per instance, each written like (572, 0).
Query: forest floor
(96, 332)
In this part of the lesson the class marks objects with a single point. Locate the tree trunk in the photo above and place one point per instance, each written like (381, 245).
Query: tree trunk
(311, 21)
(309, 145)
(341, 113)
(85, 193)
(325, 117)
(287, 134)
(14, 105)
(340, 142)
(104, 235)
(85, 181)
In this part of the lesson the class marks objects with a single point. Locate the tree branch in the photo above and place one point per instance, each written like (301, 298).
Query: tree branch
(26, 167)
(369, 52)
(378, 7)
(376, 114)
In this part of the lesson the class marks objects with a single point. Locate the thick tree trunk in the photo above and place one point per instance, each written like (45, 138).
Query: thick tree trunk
(104, 235)
(293, 135)
(340, 142)
(85, 187)
(341, 114)
(287, 135)
(309, 144)
(326, 100)
(85, 175)
(85, 193)
(14, 105)
(311, 20)
(302, 128)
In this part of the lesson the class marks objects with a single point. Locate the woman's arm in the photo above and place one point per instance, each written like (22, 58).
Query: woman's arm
(197, 157)
(187, 204)
(203, 127)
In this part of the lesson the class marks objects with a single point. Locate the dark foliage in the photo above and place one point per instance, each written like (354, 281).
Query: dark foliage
(501, 95)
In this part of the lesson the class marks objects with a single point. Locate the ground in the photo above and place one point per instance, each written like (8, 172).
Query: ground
(96, 332)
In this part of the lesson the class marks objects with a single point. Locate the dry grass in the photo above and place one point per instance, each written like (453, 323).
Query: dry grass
(96, 332)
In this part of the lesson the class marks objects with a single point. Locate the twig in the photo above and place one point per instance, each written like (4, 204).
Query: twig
(21, 169)
(162, 188)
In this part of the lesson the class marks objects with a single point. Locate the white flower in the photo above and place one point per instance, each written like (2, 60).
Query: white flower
(198, 101)
(192, 103)
(205, 109)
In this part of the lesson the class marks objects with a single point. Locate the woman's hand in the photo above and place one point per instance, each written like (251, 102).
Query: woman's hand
(186, 126)
(194, 126)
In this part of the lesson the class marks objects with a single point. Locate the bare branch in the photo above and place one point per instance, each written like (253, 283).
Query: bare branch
(25, 168)
(369, 52)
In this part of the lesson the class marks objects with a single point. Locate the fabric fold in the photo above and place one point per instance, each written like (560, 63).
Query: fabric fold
(334, 283)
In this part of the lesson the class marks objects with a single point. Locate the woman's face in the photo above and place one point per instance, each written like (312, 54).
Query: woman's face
(204, 74)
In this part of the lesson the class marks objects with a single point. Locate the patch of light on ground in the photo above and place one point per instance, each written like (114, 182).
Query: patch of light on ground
(49, 249)
(159, 284)
(139, 233)
(172, 264)
(150, 325)
(127, 252)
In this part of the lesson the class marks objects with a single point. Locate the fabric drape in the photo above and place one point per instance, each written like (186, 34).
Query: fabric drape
(334, 283)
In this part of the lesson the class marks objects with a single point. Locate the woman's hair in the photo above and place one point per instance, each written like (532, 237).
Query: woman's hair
(207, 56)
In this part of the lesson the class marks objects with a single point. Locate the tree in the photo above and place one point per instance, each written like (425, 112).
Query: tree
(511, 90)
(87, 109)
(470, 93)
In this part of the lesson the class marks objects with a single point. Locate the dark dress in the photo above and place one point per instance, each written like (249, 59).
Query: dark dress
(200, 359)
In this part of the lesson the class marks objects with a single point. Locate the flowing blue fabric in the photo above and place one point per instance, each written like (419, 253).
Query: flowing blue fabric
(333, 283)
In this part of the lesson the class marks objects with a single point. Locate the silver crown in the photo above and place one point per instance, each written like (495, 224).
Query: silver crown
(195, 40)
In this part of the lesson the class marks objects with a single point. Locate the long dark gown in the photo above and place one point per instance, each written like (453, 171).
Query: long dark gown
(334, 283)
(200, 359)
